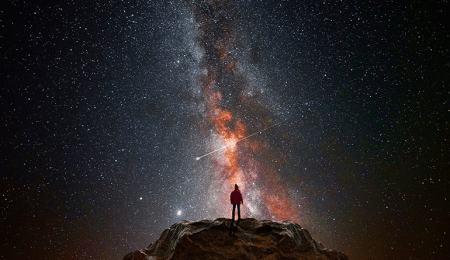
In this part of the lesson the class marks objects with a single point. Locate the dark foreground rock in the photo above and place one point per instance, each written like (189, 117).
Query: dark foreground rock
(252, 239)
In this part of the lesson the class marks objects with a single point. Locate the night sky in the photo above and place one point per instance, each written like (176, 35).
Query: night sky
(121, 118)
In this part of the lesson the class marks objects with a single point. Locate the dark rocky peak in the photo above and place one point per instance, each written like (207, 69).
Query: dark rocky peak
(252, 239)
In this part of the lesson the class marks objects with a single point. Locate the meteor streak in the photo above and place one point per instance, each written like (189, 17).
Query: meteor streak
(221, 148)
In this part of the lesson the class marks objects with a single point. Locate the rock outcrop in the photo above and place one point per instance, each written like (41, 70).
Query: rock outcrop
(252, 239)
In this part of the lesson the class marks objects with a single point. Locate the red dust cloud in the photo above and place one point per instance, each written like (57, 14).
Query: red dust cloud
(230, 113)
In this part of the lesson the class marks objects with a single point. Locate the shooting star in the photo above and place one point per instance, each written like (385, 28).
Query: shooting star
(221, 148)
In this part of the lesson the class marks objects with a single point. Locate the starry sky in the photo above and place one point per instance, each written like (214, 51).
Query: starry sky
(121, 118)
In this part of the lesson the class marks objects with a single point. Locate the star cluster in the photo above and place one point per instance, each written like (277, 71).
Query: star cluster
(331, 114)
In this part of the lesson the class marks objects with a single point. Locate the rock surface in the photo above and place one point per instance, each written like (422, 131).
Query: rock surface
(252, 239)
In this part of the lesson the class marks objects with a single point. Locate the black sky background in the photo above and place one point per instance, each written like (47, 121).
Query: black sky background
(102, 115)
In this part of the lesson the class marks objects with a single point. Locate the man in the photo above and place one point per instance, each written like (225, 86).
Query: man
(236, 199)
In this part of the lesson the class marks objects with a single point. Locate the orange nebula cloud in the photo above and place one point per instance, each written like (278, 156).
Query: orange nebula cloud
(280, 203)
(222, 122)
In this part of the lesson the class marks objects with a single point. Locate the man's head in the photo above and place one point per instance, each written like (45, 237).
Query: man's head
(236, 187)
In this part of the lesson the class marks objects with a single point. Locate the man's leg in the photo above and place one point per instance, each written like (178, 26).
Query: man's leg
(232, 220)
(234, 210)
(239, 213)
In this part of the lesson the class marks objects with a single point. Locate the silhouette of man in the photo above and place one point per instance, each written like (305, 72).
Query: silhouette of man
(236, 199)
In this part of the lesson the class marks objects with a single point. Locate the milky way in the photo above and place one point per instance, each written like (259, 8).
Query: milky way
(330, 114)
(235, 105)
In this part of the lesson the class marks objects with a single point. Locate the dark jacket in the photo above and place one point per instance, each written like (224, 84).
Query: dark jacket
(236, 197)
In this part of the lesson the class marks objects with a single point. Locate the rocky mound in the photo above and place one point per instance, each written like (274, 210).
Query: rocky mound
(252, 239)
